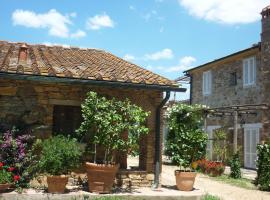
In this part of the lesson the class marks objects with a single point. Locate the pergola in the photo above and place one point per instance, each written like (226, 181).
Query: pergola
(234, 111)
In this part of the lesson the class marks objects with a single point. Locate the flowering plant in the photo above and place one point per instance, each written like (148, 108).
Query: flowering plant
(7, 174)
(213, 168)
(15, 151)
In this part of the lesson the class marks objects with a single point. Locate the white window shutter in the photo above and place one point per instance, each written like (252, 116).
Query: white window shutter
(209, 82)
(249, 71)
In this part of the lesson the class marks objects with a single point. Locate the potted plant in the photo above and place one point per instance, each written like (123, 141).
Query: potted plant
(7, 178)
(59, 155)
(186, 142)
(111, 127)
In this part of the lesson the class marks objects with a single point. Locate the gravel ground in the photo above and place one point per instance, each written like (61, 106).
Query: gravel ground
(223, 190)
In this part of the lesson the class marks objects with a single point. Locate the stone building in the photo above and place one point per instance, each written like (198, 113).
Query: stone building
(42, 88)
(239, 80)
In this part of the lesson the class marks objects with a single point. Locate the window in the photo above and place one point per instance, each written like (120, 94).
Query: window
(207, 83)
(233, 79)
(249, 71)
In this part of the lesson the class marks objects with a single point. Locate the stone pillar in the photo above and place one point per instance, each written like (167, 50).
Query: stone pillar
(265, 66)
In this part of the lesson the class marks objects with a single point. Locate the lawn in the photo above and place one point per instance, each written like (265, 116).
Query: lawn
(242, 182)
(210, 197)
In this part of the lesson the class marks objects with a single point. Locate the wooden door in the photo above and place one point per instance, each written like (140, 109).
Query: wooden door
(66, 119)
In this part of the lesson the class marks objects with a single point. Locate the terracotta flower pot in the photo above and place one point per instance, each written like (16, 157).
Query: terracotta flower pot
(4, 187)
(57, 184)
(184, 180)
(101, 177)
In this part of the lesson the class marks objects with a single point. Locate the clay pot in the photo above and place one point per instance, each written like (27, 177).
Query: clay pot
(4, 187)
(101, 177)
(184, 180)
(57, 184)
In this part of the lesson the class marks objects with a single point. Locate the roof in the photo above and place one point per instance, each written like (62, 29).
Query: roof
(74, 63)
(256, 46)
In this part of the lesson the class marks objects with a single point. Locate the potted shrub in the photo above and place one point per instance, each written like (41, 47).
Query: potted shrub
(186, 142)
(111, 127)
(59, 155)
(7, 178)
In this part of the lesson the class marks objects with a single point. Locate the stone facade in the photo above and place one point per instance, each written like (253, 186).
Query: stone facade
(224, 93)
(31, 104)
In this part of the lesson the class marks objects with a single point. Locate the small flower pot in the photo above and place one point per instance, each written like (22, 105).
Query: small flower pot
(4, 187)
(101, 177)
(184, 180)
(57, 184)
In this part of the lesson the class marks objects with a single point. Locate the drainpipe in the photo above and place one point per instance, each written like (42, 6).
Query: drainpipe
(157, 141)
(191, 89)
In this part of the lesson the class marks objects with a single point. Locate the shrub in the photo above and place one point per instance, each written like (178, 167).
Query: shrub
(59, 155)
(263, 165)
(16, 151)
(235, 165)
(186, 141)
(212, 168)
(106, 120)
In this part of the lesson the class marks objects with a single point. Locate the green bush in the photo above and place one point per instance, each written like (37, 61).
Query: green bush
(105, 121)
(59, 155)
(235, 165)
(263, 165)
(186, 141)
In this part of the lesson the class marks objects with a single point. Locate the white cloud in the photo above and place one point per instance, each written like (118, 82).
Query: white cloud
(99, 21)
(226, 11)
(78, 34)
(56, 44)
(164, 54)
(52, 20)
(184, 64)
(129, 57)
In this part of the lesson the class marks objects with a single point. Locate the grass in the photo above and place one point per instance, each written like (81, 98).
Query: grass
(210, 197)
(242, 182)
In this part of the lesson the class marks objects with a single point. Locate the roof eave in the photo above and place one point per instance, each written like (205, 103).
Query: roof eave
(69, 80)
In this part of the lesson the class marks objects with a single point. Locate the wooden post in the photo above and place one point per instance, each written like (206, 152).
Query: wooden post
(235, 131)
(205, 122)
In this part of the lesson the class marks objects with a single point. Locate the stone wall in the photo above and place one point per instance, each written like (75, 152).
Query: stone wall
(131, 179)
(31, 104)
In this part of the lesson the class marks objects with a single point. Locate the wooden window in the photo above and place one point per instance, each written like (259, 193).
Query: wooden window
(249, 71)
(66, 119)
(207, 83)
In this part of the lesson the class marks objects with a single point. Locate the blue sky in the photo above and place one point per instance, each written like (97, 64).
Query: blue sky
(165, 36)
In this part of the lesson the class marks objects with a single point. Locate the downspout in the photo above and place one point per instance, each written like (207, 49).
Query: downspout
(191, 89)
(157, 141)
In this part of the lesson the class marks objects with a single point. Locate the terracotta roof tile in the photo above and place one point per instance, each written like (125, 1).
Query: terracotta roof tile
(74, 62)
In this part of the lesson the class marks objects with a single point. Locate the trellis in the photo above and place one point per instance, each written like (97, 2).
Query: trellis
(234, 111)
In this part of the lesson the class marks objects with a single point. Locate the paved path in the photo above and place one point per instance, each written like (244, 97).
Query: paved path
(225, 191)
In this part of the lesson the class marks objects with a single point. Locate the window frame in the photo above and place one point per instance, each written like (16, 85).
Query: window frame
(249, 71)
(207, 83)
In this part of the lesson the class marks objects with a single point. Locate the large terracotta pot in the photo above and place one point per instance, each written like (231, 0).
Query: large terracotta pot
(101, 177)
(185, 180)
(4, 187)
(57, 184)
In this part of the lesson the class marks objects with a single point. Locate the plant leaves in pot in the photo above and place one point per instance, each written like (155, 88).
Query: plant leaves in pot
(186, 142)
(7, 177)
(59, 155)
(105, 122)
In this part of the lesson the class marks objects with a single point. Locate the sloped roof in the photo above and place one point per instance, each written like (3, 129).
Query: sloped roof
(78, 63)
(255, 46)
